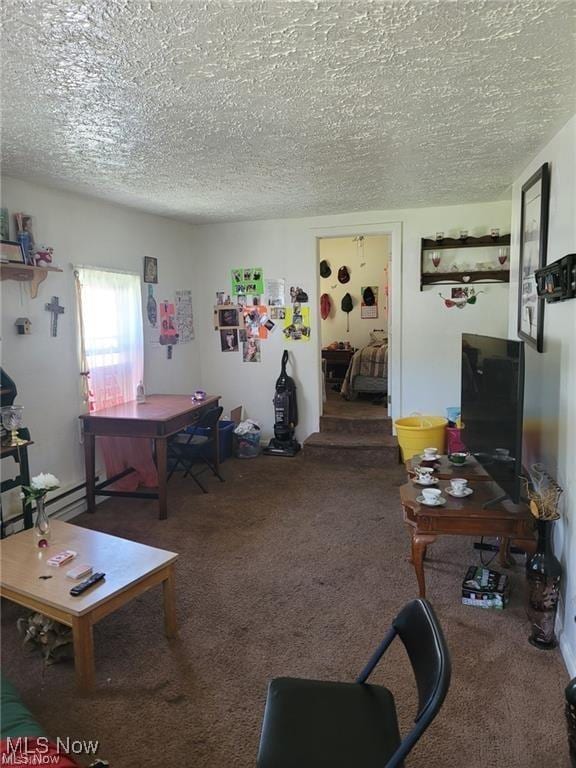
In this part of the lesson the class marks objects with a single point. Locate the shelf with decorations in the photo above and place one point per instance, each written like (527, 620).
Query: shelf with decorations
(26, 273)
(463, 260)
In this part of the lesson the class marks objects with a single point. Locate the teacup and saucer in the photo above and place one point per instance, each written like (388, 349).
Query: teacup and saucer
(424, 475)
(431, 497)
(459, 488)
(458, 458)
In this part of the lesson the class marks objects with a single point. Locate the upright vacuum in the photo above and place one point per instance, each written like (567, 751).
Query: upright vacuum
(285, 415)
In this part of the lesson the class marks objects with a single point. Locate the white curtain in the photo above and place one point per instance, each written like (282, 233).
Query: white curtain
(112, 347)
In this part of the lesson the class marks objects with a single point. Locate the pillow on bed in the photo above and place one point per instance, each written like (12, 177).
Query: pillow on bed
(379, 336)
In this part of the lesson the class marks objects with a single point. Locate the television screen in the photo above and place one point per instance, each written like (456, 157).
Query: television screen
(492, 405)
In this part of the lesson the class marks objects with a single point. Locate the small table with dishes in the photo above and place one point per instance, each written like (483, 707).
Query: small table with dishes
(444, 469)
(130, 569)
(476, 514)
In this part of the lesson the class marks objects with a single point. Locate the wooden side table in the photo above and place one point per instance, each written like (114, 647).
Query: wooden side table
(464, 517)
(20, 455)
(337, 362)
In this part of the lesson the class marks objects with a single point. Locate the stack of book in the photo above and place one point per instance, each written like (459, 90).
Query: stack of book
(485, 588)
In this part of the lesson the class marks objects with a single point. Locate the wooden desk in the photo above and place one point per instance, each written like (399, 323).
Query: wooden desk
(130, 569)
(472, 470)
(160, 417)
(464, 517)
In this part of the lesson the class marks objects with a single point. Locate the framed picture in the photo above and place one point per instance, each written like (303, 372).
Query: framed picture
(12, 251)
(150, 269)
(533, 243)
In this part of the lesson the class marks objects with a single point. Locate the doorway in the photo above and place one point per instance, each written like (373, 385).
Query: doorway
(354, 289)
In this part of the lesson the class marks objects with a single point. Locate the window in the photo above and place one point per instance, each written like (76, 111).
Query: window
(111, 344)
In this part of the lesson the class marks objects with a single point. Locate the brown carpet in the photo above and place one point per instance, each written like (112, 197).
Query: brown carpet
(291, 568)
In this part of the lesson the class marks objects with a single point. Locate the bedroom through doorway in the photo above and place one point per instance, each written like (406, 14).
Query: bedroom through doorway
(354, 288)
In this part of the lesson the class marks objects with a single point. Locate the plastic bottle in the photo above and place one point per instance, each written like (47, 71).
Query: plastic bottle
(140, 394)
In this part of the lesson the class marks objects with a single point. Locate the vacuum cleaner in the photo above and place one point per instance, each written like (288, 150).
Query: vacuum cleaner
(285, 415)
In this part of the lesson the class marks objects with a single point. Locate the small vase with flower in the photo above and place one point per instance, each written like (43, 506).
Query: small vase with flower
(37, 491)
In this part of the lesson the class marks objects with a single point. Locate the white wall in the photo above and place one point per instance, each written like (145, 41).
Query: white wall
(367, 264)
(288, 248)
(83, 231)
(550, 392)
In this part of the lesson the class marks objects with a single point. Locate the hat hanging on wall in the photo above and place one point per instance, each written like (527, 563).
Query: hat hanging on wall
(343, 275)
(347, 306)
(368, 297)
(325, 270)
(325, 306)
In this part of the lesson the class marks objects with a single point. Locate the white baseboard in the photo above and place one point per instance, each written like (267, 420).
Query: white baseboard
(568, 655)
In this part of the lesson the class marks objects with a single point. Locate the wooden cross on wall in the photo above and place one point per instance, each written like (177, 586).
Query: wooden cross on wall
(55, 308)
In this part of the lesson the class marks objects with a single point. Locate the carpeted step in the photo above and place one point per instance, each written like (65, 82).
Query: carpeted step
(381, 425)
(356, 450)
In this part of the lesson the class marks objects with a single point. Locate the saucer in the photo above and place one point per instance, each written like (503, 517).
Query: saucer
(439, 503)
(435, 459)
(434, 481)
(467, 492)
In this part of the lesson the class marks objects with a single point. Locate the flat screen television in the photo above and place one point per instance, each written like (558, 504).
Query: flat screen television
(492, 407)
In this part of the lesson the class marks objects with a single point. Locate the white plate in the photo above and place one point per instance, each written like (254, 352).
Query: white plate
(441, 501)
(431, 458)
(425, 485)
(467, 492)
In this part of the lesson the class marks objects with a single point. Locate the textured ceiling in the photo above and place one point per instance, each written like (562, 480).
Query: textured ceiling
(212, 111)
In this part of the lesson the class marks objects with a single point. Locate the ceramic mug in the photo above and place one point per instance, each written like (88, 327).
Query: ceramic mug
(431, 495)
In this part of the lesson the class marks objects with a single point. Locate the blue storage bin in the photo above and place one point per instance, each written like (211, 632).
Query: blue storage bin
(225, 432)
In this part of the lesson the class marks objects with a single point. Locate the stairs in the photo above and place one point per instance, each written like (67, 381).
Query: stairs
(358, 441)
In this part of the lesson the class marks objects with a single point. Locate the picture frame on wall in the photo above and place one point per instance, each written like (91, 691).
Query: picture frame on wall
(150, 269)
(12, 251)
(533, 244)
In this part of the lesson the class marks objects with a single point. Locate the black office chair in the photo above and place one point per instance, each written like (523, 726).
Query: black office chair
(197, 444)
(316, 724)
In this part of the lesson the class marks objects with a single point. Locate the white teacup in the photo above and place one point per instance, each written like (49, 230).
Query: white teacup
(430, 453)
(458, 486)
(431, 495)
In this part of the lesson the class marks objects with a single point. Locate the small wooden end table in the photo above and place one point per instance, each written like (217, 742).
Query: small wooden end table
(337, 362)
(464, 517)
(130, 569)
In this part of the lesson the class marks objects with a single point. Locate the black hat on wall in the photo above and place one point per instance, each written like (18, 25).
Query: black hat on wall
(343, 275)
(368, 297)
(325, 270)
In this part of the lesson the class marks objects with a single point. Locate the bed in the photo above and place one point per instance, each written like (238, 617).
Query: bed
(368, 370)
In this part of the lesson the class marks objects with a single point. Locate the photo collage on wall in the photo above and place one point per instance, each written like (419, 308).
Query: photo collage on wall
(254, 308)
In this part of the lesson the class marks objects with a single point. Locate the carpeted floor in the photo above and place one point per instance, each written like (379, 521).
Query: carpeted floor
(291, 568)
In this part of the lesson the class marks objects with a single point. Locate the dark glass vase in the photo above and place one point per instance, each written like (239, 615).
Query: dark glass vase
(543, 572)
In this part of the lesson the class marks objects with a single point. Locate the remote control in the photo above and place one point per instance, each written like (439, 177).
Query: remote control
(84, 585)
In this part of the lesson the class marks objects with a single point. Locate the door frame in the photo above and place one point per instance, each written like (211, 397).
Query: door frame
(394, 230)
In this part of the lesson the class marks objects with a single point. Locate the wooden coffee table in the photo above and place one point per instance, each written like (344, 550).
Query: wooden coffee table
(130, 569)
